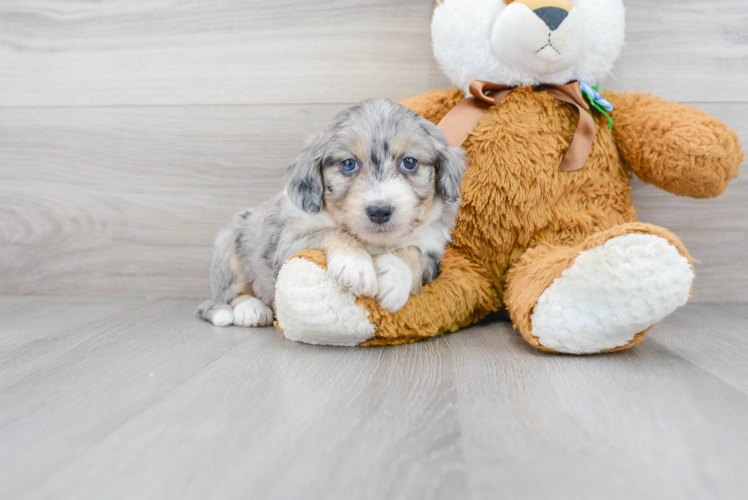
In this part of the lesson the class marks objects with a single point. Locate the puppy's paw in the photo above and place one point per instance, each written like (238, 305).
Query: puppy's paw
(223, 317)
(253, 313)
(395, 282)
(355, 271)
(218, 314)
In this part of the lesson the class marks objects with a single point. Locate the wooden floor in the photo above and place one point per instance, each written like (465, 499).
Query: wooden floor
(135, 398)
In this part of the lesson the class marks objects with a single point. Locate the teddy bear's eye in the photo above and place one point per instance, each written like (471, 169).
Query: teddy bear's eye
(409, 165)
(349, 166)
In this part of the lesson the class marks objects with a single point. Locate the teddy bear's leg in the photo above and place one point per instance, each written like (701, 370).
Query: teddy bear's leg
(312, 307)
(602, 295)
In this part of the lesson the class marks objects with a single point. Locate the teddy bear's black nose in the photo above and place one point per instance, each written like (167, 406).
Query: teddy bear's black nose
(551, 16)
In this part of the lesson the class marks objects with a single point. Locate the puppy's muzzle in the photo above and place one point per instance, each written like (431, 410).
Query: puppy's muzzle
(379, 214)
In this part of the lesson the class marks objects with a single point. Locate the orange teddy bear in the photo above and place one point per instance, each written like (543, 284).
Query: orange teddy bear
(547, 229)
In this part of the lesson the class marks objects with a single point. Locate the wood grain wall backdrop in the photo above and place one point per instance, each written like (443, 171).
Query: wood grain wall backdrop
(130, 131)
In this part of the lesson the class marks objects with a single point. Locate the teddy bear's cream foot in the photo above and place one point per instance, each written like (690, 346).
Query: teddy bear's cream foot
(602, 295)
(314, 308)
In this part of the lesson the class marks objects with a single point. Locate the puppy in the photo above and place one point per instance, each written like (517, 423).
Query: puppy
(377, 192)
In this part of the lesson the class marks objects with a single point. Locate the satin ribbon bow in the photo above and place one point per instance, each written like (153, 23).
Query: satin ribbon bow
(463, 118)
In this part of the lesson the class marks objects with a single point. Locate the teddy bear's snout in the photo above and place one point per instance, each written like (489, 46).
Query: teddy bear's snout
(541, 37)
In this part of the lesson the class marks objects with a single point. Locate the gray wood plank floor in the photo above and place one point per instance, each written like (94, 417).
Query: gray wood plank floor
(135, 398)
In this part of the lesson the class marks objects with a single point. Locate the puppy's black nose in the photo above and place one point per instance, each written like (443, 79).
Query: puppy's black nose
(551, 16)
(379, 215)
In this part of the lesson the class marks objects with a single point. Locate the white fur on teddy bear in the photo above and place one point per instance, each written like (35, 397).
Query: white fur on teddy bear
(313, 308)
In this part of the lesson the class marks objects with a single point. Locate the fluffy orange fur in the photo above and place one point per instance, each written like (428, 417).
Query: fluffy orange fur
(522, 222)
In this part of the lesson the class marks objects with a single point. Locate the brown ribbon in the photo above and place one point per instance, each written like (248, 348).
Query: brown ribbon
(463, 118)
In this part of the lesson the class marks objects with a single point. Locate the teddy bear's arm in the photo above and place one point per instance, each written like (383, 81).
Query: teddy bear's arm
(435, 104)
(677, 148)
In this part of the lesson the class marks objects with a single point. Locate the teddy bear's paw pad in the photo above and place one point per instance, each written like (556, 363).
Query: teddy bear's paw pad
(611, 293)
(253, 313)
(313, 308)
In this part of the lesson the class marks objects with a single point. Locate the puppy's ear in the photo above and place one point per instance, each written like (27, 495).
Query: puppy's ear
(304, 176)
(450, 165)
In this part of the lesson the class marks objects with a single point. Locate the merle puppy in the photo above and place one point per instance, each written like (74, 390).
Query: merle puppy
(377, 192)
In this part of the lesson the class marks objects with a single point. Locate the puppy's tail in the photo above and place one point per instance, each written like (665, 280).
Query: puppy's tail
(218, 311)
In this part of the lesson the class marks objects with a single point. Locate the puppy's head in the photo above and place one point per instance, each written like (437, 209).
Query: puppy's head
(380, 170)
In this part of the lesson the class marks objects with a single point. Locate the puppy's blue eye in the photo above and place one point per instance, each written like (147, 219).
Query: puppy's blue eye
(409, 165)
(349, 167)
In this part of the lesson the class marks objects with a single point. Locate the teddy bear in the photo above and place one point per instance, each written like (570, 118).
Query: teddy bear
(547, 232)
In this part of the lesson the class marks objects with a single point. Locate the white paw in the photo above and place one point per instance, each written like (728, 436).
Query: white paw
(611, 293)
(223, 317)
(355, 271)
(315, 309)
(253, 313)
(395, 282)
